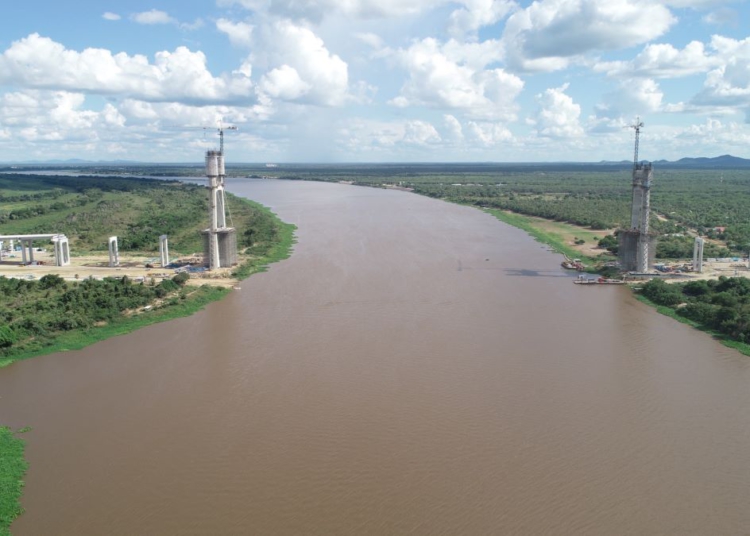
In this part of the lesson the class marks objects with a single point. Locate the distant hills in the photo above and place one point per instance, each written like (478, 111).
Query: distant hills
(719, 162)
(725, 161)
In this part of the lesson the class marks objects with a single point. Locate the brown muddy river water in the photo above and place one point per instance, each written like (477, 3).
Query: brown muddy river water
(416, 368)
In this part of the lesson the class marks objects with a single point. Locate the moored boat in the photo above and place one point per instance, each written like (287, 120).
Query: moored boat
(597, 281)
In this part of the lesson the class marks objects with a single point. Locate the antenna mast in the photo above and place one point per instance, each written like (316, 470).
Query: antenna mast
(637, 126)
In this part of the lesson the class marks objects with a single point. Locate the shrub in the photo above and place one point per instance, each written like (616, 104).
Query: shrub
(7, 337)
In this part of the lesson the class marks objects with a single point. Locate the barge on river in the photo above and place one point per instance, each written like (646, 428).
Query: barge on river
(597, 281)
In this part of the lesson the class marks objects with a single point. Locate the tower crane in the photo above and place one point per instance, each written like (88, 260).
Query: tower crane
(637, 127)
(221, 128)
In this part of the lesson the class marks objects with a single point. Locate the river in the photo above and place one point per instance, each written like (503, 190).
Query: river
(416, 367)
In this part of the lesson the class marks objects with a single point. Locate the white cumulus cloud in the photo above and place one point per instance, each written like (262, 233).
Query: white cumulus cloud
(549, 33)
(663, 61)
(558, 116)
(284, 83)
(239, 33)
(440, 81)
(476, 14)
(729, 82)
(633, 96)
(453, 128)
(317, 9)
(182, 75)
(108, 15)
(37, 115)
(287, 46)
(153, 16)
(420, 133)
(489, 134)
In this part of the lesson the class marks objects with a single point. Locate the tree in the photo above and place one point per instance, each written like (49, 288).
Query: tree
(51, 281)
(661, 293)
(7, 337)
(609, 243)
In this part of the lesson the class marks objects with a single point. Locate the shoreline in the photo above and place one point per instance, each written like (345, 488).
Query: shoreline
(741, 347)
(201, 296)
(13, 467)
(13, 464)
(525, 223)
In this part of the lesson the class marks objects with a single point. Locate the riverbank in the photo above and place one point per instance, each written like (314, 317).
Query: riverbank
(12, 463)
(556, 242)
(741, 347)
(192, 299)
(280, 250)
(557, 237)
(171, 308)
(12, 469)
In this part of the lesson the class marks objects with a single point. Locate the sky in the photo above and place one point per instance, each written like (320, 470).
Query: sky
(374, 80)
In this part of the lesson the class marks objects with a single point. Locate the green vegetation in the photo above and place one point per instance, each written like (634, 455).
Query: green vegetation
(50, 314)
(36, 314)
(594, 196)
(720, 307)
(89, 210)
(268, 243)
(684, 201)
(527, 224)
(12, 469)
(175, 307)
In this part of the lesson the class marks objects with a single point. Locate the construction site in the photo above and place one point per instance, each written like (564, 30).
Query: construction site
(637, 244)
(31, 256)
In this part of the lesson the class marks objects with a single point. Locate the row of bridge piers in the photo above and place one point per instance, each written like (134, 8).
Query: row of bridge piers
(61, 247)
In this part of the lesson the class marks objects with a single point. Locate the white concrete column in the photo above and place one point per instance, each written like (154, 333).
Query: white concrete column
(220, 209)
(164, 250)
(114, 252)
(698, 255)
(31, 251)
(66, 252)
(23, 252)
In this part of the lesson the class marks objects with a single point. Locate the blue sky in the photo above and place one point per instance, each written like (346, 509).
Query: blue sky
(374, 80)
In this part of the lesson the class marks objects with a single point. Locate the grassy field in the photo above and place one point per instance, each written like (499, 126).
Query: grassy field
(558, 236)
(12, 469)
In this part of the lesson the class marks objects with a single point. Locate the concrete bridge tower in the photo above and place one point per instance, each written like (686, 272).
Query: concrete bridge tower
(637, 246)
(220, 241)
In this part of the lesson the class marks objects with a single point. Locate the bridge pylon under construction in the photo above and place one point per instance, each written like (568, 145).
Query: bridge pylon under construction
(219, 241)
(637, 245)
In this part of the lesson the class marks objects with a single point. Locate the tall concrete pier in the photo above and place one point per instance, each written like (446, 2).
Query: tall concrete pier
(637, 246)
